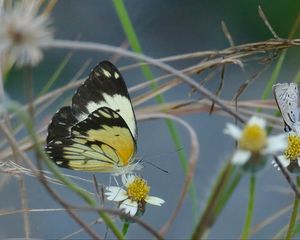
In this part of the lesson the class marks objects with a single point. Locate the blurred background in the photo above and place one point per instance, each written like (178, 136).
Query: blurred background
(164, 28)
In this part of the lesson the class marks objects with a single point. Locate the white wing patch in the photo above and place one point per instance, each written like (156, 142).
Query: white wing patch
(117, 103)
(106, 73)
(116, 75)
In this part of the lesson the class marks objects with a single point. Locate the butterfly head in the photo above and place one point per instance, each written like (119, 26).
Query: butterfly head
(134, 165)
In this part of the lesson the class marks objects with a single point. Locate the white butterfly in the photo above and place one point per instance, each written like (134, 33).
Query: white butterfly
(286, 96)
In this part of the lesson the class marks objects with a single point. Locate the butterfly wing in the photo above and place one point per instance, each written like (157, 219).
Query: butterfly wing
(104, 87)
(98, 132)
(286, 96)
(61, 124)
(102, 142)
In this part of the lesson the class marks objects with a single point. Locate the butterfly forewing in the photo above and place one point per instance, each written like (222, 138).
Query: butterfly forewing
(98, 132)
(104, 87)
(286, 96)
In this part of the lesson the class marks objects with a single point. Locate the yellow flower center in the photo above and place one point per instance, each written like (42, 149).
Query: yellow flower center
(138, 190)
(293, 149)
(254, 138)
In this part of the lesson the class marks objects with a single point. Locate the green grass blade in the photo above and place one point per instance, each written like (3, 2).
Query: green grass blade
(274, 76)
(56, 74)
(249, 215)
(228, 191)
(279, 63)
(15, 107)
(135, 45)
(294, 214)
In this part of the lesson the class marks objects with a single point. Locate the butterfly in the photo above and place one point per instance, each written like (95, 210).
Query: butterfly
(286, 96)
(98, 131)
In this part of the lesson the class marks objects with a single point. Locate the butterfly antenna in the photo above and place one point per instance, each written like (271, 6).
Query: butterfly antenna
(157, 167)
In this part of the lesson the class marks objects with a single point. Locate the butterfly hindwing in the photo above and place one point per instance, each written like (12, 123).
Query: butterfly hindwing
(104, 87)
(100, 142)
(79, 154)
(61, 124)
(286, 96)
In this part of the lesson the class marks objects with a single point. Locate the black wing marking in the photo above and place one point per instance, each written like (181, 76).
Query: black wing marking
(61, 124)
(96, 120)
(66, 150)
(104, 79)
(79, 146)
(98, 83)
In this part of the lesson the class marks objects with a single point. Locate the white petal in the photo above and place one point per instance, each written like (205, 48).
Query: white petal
(124, 179)
(129, 207)
(116, 194)
(298, 162)
(296, 128)
(258, 121)
(233, 131)
(240, 157)
(154, 200)
(129, 179)
(112, 189)
(275, 144)
(285, 162)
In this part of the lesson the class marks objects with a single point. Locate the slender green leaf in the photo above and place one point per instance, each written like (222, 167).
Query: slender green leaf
(135, 45)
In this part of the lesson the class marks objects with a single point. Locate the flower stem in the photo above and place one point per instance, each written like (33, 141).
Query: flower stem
(294, 214)
(125, 228)
(208, 217)
(249, 215)
(227, 192)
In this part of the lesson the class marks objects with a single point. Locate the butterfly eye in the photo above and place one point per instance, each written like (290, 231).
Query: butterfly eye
(287, 128)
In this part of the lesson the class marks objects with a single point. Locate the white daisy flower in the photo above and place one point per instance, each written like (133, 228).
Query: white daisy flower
(134, 198)
(22, 32)
(291, 155)
(253, 141)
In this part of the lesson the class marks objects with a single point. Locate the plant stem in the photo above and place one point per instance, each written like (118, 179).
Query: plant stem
(294, 214)
(249, 215)
(279, 64)
(125, 228)
(227, 192)
(134, 42)
(208, 216)
(54, 77)
(57, 173)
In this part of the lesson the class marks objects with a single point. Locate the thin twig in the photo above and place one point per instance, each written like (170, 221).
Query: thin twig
(121, 214)
(163, 66)
(66, 205)
(35, 210)
(266, 22)
(227, 33)
(20, 154)
(194, 152)
(270, 220)
(287, 176)
(24, 204)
